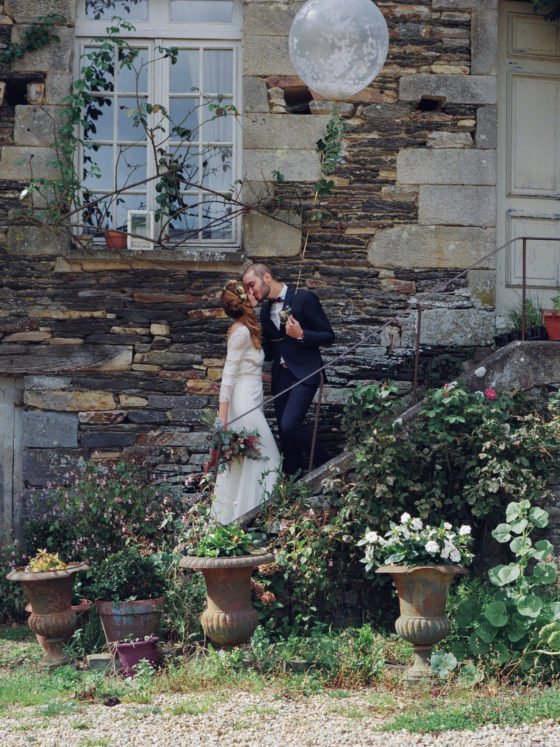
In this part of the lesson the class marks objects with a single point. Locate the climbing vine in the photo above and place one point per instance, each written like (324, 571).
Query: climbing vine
(33, 37)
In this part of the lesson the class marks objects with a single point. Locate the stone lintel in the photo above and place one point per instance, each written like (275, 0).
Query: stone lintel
(457, 89)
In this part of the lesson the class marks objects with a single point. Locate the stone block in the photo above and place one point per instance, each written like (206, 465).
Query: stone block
(255, 95)
(484, 45)
(486, 127)
(34, 125)
(15, 162)
(328, 107)
(457, 206)
(160, 329)
(58, 87)
(46, 382)
(296, 166)
(130, 400)
(41, 466)
(50, 429)
(464, 4)
(266, 55)
(271, 236)
(102, 440)
(450, 328)
(165, 358)
(147, 416)
(69, 401)
(31, 336)
(457, 89)
(272, 19)
(32, 241)
(55, 56)
(101, 662)
(24, 11)
(442, 247)
(446, 166)
(449, 140)
(292, 131)
(399, 194)
(482, 286)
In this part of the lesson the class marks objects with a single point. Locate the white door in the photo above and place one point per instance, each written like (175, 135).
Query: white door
(11, 484)
(528, 154)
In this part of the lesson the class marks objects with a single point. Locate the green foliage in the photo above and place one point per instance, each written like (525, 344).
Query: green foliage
(100, 510)
(127, 575)
(12, 596)
(33, 37)
(556, 303)
(516, 626)
(329, 146)
(533, 315)
(227, 541)
(550, 8)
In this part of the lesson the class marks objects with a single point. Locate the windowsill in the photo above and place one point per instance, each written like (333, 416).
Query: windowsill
(194, 258)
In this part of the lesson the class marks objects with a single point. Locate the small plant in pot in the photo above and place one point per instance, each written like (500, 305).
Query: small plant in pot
(130, 595)
(226, 555)
(552, 319)
(422, 561)
(48, 582)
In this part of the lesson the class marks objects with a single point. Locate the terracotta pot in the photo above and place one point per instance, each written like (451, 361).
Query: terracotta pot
(229, 618)
(552, 321)
(131, 653)
(422, 594)
(115, 239)
(52, 616)
(81, 609)
(137, 619)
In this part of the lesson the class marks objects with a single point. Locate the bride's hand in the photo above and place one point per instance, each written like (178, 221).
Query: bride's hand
(267, 378)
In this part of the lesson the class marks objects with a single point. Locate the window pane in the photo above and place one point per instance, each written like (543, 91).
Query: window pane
(90, 55)
(105, 9)
(128, 202)
(218, 122)
(185, 224)
(95, 217)
(184, 75)
(188, 160)
(217, 169)
(217, 66)
(102, 156)
(133, 75)
(215, 220)
(184, 114)
(202, 11)
(99, 114)
(131, 166)
(126, 129)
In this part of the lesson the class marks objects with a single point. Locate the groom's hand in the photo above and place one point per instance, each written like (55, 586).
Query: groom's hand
(293, 328)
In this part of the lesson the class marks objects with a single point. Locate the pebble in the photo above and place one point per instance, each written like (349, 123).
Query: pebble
(248, 719)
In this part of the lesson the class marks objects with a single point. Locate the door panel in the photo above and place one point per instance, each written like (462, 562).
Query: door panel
(11, 484)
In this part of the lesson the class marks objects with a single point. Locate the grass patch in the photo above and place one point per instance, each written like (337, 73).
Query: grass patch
(508, 709)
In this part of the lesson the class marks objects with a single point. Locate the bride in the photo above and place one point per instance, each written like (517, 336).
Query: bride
(243, 485)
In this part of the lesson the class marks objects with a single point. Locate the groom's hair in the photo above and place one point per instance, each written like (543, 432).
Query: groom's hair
(259, 268)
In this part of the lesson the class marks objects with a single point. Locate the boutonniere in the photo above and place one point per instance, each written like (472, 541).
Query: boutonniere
(285, 314)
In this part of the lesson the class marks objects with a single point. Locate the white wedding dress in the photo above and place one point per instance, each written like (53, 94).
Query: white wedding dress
(247, 481)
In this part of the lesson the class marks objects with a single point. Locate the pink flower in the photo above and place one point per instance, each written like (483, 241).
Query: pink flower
(490, 394)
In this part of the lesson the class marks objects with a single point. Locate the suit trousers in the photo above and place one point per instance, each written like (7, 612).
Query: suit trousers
(291, 409)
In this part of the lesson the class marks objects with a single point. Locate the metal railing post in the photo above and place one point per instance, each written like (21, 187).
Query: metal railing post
(524, 288)
(417, 353)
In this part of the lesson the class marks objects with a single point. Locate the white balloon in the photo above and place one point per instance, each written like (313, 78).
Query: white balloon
(338, 46)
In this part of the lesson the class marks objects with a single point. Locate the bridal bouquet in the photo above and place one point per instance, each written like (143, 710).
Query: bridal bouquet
(235, 444)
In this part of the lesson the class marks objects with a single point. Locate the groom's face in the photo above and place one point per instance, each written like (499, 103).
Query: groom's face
(258, 286)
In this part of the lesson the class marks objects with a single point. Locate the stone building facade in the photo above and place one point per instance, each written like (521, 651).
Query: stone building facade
(118, 353)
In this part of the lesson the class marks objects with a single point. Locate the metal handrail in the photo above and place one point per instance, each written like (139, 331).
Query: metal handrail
(411, 307)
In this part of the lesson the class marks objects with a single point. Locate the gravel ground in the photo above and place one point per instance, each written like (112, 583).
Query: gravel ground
(262, 720)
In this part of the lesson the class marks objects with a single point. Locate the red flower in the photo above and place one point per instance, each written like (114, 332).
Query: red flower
(490, 394)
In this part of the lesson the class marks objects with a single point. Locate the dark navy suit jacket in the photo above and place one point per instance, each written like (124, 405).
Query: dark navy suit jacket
(301, 357)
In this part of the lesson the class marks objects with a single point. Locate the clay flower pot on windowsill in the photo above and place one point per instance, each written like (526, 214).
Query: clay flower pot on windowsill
(229, 618)
(52, 616)
(552, 321)
(115, 239)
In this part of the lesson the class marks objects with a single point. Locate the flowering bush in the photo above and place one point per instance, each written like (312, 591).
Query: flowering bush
(414, 543)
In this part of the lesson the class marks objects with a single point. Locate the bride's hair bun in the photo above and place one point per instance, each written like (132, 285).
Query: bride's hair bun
(235, 302)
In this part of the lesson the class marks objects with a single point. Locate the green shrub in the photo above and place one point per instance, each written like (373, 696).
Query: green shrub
(125, 576)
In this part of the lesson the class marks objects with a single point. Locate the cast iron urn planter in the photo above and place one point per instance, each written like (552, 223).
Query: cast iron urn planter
(422, 594)
(52, 616)
(229, 618)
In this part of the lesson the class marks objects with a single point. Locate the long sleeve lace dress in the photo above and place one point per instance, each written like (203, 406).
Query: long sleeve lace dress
(243, 486)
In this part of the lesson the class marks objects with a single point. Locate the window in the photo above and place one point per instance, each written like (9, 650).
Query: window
(162, 138)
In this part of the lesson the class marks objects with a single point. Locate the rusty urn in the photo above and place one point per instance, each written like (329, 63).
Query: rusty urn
(229, 618)
(52, 616)
(422, 592)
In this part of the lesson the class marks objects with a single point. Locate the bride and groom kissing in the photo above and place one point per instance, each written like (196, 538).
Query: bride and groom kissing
(293, 326)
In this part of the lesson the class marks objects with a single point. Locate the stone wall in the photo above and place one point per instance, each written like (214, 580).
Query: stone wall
(414, 203)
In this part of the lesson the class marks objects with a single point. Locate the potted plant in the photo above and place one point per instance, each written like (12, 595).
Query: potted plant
(534, 328)
(552, 319)
(132, 652)
(48, 582)
(226, 556)
(422, 561)
(130, 591)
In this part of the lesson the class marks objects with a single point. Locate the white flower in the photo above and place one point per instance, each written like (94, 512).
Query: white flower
(417, 524)
(405, 518)
(372, 537)
(455, 555)
(447, 525)
(446, 550)
(405, 533)
(432, 547)
(464, 531)
(24, 193)
(480, 372)
(396, 422)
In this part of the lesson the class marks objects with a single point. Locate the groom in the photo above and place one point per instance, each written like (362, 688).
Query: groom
(294, 326)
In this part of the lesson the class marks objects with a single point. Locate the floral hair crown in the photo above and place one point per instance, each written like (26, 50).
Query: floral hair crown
(235, 287)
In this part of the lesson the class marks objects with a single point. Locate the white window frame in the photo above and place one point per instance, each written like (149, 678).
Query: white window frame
(158, 30)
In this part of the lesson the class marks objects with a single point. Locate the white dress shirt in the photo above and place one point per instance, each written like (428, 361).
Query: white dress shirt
(276, 308)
